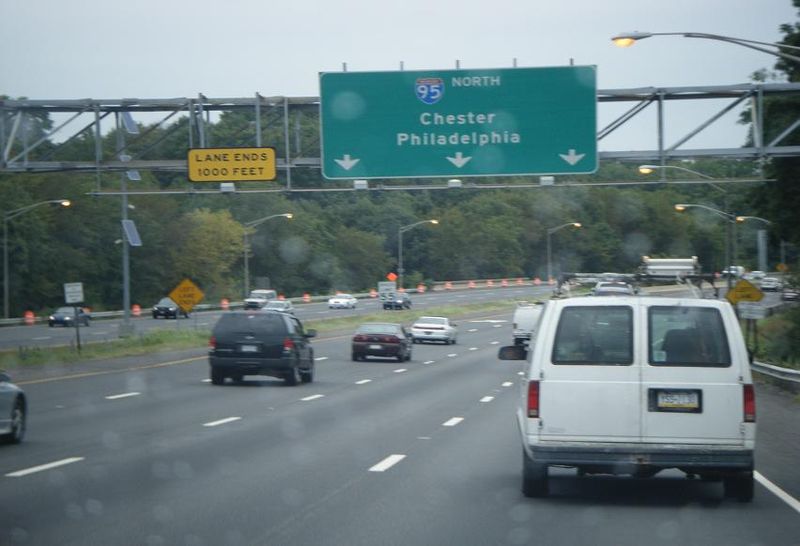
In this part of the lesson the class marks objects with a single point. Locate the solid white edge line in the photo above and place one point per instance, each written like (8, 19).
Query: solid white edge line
(487, 399)
(221, 422)
(312, 397)
(43, 467)
(452, 421)
(363, 381)
(778, 492)
(387, 463)
(124, 395)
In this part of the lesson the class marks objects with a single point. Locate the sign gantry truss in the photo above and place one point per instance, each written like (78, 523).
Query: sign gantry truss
(25, 147)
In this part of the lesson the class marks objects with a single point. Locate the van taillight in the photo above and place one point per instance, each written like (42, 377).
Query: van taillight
(212, 342)
(288, 344)
(749, 404)
(533, 399)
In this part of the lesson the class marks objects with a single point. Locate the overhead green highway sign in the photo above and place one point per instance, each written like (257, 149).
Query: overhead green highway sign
(445, 123)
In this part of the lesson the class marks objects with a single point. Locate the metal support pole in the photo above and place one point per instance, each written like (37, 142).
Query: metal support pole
(286, 143)
(5, 268)
(400, 257)
(246, 265)
(126, 281)
(549, 258)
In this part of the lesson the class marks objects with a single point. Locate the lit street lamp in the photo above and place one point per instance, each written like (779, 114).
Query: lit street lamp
(731, 220)
(550, 232)
(248, 226)
(400, 232)
(10, 215)
(627, 39)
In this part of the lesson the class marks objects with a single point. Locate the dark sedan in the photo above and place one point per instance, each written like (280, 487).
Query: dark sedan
(382, 339)
(65, 316)
(168, 309)
(400, 300)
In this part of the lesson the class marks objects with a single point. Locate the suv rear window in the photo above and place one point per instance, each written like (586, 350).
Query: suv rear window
(687, 336)
(266, 323)
(594, 335)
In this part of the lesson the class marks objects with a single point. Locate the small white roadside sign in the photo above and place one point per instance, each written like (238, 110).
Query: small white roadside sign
(73, 292)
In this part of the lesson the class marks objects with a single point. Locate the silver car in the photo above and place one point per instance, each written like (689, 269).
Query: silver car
(434, 329)
(13, 409)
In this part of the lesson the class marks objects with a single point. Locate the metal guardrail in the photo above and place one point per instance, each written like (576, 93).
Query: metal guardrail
(778, 372)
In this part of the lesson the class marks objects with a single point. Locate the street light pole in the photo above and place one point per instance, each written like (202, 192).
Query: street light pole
(245, 233)
(400, 231)
(627, 39)
(7, 216)
(550, 232)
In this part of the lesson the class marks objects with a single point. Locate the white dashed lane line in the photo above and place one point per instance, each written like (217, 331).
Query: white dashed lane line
(487, 399)
(429, 362)
(451, 355)
(221, 422)
(507, 384)
(41, 338)
(43, 467)
(495, 343)
(123, 395)
(312, 397)
(473, 348)
(320, 358)
(452, 422)
(387, 463)
(400, 370)
(363, 381)
(472, 330)
(777, 491)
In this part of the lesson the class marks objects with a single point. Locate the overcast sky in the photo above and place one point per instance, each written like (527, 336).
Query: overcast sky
(109, 49)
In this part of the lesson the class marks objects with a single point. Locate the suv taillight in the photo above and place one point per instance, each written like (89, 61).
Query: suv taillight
(288, 344)
(533, 399)
(212, 342)
(749, 404)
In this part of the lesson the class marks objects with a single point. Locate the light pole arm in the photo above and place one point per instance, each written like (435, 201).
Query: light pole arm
(10, 215)
(730, 217)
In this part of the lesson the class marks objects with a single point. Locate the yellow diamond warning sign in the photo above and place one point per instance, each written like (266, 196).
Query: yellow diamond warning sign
(186, 295)
(744, 291)
(231, 164)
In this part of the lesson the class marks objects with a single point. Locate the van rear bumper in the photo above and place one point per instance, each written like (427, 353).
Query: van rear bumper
(629, 458)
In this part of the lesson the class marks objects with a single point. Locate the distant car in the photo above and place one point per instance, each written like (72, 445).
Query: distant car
(434, 329)
(790, 293)
(613, 288)
(259, 297)
(381, 339)
(399, 300)
(167, 308)
(754, 275)
(342, 301)
(771, 284)
(524, 321)
(259, 342)
(65, 316)
(283, 306)
(13, 410)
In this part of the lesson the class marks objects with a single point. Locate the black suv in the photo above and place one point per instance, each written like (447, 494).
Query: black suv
(261, 343)
(400, 300)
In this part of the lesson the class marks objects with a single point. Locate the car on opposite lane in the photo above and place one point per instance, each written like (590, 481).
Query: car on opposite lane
(284, 306)
(434, 329)
(65, 316)
(381, 339)
(167, 308)
(613, 288)
(342, 301)
(13, 410)
(771, 284)
(397, 300)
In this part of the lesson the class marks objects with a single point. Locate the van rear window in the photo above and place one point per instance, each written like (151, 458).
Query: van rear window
(687, 336)
(594, 335)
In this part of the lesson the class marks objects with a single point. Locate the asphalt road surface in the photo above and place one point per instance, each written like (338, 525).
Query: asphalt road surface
(377, 452)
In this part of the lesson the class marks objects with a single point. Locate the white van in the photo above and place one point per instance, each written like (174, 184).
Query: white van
(634, 385)
(524, 321)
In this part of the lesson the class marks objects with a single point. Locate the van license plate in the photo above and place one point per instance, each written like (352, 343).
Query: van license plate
(689, 400)
(248, 348)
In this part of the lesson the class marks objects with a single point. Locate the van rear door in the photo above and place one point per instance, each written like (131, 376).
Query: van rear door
(691, 388)
(590, 378)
